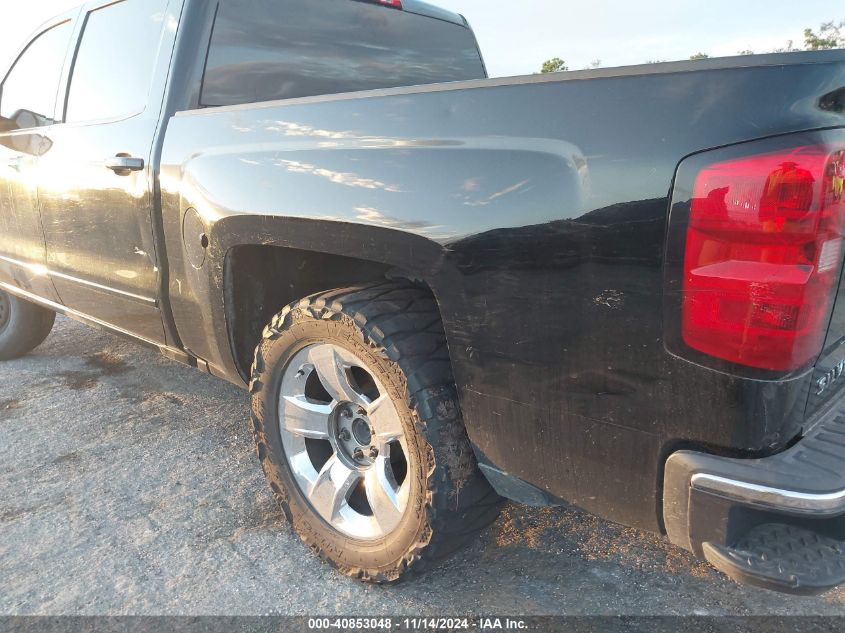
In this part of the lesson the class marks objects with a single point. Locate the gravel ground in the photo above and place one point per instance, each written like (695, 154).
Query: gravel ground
(128, 485)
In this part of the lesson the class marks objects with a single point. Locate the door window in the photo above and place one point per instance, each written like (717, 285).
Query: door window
(114, 64)
(28, 94)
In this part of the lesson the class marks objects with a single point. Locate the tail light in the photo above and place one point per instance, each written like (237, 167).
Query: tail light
(763, 251)
(396, 4)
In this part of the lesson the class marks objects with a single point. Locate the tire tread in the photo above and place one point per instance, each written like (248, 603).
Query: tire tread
(403, 320)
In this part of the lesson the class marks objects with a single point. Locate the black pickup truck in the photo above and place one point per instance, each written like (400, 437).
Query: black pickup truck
(617, 288)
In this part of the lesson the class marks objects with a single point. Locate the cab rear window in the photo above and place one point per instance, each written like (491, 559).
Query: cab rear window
(263, 50)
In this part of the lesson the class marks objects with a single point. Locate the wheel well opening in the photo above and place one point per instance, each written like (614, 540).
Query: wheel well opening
(261, 280)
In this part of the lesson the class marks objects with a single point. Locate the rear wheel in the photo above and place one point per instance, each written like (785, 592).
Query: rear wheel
(23, 326)
(359, 432)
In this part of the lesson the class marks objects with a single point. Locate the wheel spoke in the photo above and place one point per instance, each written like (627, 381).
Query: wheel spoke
(382, 497)
(332, 371)
(385, 420)
(331, 487)
(362, 432)
(304, 418)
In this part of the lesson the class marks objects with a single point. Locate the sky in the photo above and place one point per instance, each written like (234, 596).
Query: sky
(516, 36)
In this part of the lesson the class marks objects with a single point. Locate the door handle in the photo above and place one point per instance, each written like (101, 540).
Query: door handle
(123, 164)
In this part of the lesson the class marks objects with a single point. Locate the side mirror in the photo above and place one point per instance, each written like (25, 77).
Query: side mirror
(26, 119)
(23, 120)
(16, 134)
(26, 142)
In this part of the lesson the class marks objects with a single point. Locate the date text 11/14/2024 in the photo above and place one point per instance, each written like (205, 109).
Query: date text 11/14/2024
(418, 624)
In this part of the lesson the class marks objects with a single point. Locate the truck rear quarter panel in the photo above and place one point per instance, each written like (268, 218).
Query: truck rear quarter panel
(536, 210)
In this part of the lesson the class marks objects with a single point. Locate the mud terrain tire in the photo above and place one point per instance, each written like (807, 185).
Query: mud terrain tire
(395, 328)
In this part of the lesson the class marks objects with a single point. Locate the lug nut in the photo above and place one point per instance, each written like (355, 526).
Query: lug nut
(358, 454)
(346, 413)
(373, 452)
(344, 435)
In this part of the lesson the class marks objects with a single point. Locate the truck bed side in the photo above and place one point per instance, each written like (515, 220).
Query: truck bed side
(536, 210)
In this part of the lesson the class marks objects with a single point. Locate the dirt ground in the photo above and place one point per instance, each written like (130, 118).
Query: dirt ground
(129, 485)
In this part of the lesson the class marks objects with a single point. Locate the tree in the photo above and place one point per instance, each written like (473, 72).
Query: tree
(830, 35)
(554, 65)
(790, 48)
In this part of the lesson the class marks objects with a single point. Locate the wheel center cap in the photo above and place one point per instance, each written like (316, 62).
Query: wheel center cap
(354, 436)
(361, 432)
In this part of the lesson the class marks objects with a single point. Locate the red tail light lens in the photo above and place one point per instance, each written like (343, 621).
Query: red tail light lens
(763, 251)
(395, 4)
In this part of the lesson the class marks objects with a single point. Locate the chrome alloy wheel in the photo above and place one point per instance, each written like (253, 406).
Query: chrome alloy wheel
(344, 441)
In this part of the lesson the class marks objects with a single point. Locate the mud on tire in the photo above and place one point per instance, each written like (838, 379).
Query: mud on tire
(23, 326)
(395, 328)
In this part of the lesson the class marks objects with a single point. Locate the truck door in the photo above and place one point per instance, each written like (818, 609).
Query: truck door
(95, 182)
(27, 104)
